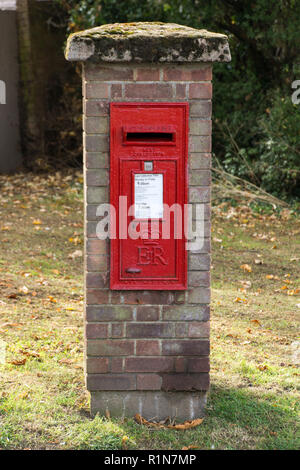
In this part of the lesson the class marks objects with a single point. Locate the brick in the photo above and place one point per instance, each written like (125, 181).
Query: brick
(148, 91)
(179, 297)
(147, 297)
(180, 330)
(200, 126)
(149, 330)
(96, 330)
(199, 330)
(97, 296)
(147, 348)
(116, 364)
(147, 74)
(200, 109)
(113, 347)
(199, 143)
(148, 364)
(96, 247)
(109, 313)
(185, 382)
(199, 161)
(200, 91)
(97, 365)
(96, 90)
(199, 295)
(97, 177)
(95, 279)
(200, 178)
(147, 313)
(180, 90)
(117, 330)
(111, 382)
(95, 108)
(186, 313)
(185, 74)
(148, 382)
(180, 364)
(204, 213)
(116, 91)
(91, 228)
(199, 262)
(201, 194)
(198, 279)
(95, 125)
(202, 245)
(96, 159)
(96, 143)
(197, 364)
(117, 73)
(97, 195)
(185, 347)
(96, 262)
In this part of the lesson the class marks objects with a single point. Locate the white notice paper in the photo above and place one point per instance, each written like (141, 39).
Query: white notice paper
(148, 191)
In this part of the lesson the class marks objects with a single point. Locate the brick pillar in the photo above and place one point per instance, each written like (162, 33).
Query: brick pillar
(146, 351)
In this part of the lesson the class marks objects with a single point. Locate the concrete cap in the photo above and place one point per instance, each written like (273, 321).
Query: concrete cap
(147, 42)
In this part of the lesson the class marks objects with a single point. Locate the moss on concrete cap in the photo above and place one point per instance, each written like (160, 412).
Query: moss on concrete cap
(147, 42)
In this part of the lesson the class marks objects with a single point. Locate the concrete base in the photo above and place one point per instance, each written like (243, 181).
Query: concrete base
(150, 404)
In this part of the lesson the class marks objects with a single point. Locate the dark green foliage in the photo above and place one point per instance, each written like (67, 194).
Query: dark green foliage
(256, 126)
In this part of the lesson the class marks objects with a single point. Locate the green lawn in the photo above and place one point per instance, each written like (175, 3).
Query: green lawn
(254, 396)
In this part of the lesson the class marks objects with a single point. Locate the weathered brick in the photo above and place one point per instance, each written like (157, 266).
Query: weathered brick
(200, 90)
(149, 330)
(200, 109)
(117, 330)
(199, 295)
(201, 211)
(199, 143)
(200, 178)
(97, 194)
(96, 246)
(202, 245)
(187, 347)
(95, 107)
(199, 330)
(180, 364)
(183, 73)
(97, 365)
(147, 74)
(148, 382)
(199, 262)
(149, 364)
(147, 348)
(186, 313)
(116, 91)
(111, 382)
(200, 161)
(187, 382)
(180, 90)
(114, 347)
(180, 330)
(97, 296)
(147, 297)
(148, 91)
(96, 159)
(96, 90)
(96, 330)
(109, 313)
(199, 279)
(96, 143)
(96, 279)
(95, 125)
(147, 313)
(197, 364)
(91, 229)
(200, 126)
(96, 262)
(109, 73)
(116, 364)
(97, 177)
(201, 194)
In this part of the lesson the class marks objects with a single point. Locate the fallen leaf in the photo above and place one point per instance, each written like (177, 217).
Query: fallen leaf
(19, 363)
(246, 267)
(186, 425)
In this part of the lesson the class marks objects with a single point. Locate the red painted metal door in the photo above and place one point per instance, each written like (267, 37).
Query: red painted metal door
(149, 172)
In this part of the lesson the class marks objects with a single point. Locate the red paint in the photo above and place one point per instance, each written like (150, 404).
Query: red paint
(158, 133)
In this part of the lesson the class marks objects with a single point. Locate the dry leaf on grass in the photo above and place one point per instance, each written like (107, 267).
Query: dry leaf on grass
(186, 425)
(18, 363)
(246, 267)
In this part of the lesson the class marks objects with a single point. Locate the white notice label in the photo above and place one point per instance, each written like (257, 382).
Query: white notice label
(148, 191)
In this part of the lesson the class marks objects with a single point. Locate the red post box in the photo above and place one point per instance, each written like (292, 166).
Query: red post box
(148, 182)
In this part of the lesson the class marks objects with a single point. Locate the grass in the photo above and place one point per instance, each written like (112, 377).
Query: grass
(254, 397)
